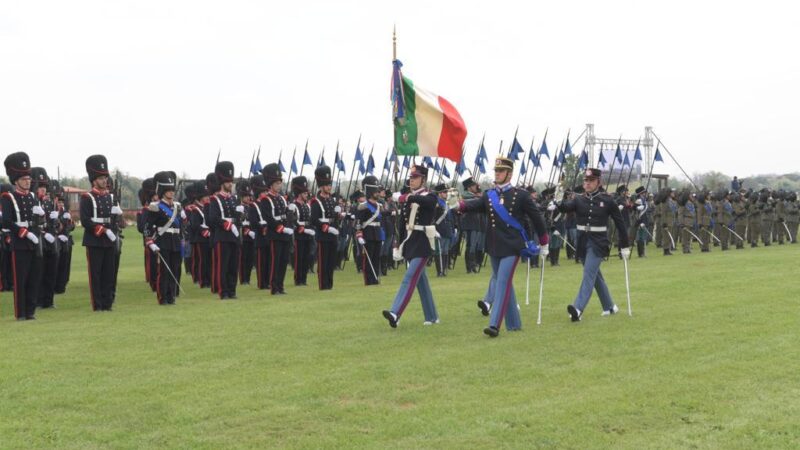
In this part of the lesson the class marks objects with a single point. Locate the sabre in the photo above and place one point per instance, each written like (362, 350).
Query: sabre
(369, 261)
(695, 236)
(787, 231)
(164, 262)
(670, 237)
(541, 291)
(528, 285)
(735, 234)
(627, 286)
(712, 235)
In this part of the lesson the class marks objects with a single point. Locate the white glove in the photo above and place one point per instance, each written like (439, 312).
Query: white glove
(551, 206)
(49, 238)
(641, 225)
(640, 208)
(361, 241)
(337, 209)
(252, 234)
(638, 201)
(153, 206)
(116, 210)
(287, 231)
(153, 247)
(309, 232)
(66, 216)
(396, 196)
(235, 230)
(621, 207)
(240, 208)
(438, 236)
(62, 238)
(625, 252)
(394, 213)
(183, 215)
(556, 233)
(32, 237)
(111, 236)
(37, 210)
(544, 250)
(333, 231)
(54, 214)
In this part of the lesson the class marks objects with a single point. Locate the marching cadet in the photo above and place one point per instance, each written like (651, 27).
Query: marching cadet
(165, 240)
(740, 219)
(304, 233)
(704, 221)
(22, 216)
(780, 216)
(446, 229)
(419, 207)
(725, 219)
(258, 226)
(349, 228)
(507, 207)
(674, 224)
(6, 276)
(389, 225)
(99, 237)
(792, 216)
(753, 218)
(471, 227)
(324, 211)
(199, 235)
(40, 186)
(279, 233)
(642, 220)
(65, 226)
(345, 223)
(688, 217)
(147, 195)
(369, 234)
(767, 207)
(212, 185)
(247, 256)
(593, 210)
(222, 216)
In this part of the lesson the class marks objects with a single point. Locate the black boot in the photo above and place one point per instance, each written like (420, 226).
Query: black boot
(667, 252)
(554, 253)
(640, 248)
(438, 261)
(445, 267)
(468, 257)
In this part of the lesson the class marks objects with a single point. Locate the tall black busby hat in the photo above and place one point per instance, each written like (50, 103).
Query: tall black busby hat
(148, 187)
(243, 188)
(224, 171)
(164, 181)
(200, 190)
(96, 166)
(371, 185)
(17, 165)
(323, 176)
(272, 173)
(212, 183)
(356, 195)
(258, 184)
(39, 178)
(299, 185)
(468, 182)
(189, 193)
(640, 189)
(56, 189)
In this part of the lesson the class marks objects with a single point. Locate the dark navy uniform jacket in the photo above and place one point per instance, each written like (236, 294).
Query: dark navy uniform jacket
(96, 218)
(323, 215)
(220, 218)
(364, 213)
(445, 226)
(165, 238)
(274, 208)
(302, 220)
(594, 210)
(199, 232)
(22, 224)
(501, 239)
(258, 221)
(417, 245)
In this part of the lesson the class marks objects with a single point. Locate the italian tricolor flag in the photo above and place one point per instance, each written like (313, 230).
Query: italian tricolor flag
(425, 124)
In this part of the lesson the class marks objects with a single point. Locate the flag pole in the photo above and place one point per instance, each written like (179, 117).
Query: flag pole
(303, 163)
(652, 165)
(539, 157)
(613, 162)
(353, 169)
(630, 172)
(676, 161)
(294, 152)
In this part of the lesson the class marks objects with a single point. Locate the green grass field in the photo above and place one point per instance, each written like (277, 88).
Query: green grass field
(708, 360)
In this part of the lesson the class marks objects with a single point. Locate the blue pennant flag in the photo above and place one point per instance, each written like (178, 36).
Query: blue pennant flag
(386, 163)
(567, 148)
(280, 165)
(370, 164)
(340, 164)
(602, 162)
(557, 160)
(445, 172)
(405, 162)
(361, 166)
(626, 162)
(658, 156)
(583, 161)
(638, 155)
(522, 169)
(460, 167)
(515, 150)
(482, 153)
(427, 162)
(562, 159)
(307, 159)
(481, 167)
(359, 156)
(256, 169)
(321, 161)
(618, 154)
(336, 158)
(436, 167)
(294, 167)
(543, 150)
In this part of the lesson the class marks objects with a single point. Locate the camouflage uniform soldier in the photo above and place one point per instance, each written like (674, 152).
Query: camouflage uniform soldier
(792, 215)
(780, 216)
(767, 212)
(688, 220)
(704, 221)
(739, 218)
(753, 219)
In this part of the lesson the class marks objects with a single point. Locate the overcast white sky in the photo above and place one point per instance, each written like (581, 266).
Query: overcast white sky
(162, 85)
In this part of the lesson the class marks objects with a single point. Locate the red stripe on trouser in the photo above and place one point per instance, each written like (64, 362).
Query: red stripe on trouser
(272, 265)
(364, 263)
(91, 285)
(16, 283)
(412, 286)
(507, 295)
(219, 268)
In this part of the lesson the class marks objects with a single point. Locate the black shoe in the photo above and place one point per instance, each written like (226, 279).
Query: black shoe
(484, 307)
(391, 317)
(491, 331)
(31, 318)
(232, 296)
(574, 313)
(21, 318)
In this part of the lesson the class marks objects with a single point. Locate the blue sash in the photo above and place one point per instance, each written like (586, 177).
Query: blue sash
(531, 248)
(168, 211)
(382, 233)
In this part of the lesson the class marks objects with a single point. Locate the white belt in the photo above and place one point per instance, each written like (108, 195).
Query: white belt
(246, 223)
(301, 223)
(373, 224)
(590, 229)
(101, 219)
(422, 227)
(324, 220)
(22, 224)
(262, 222)
(172, 230)
(281, 217)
